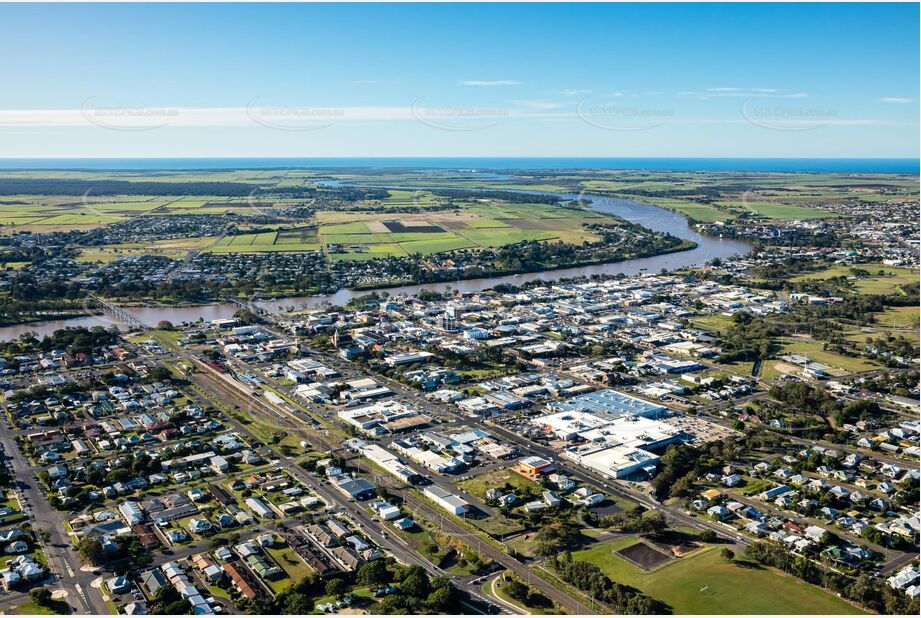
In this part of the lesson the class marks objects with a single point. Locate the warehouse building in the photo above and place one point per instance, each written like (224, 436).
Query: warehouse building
(446, 500)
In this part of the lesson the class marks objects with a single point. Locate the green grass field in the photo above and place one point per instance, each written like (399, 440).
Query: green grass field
(773, 210)
(705, 583)
(292, 564)
(713, 323)
(882, 279)
(359, 236)
(813, 350)
(704, 213)
(57, 607)
(370, 252)
(899, 317)
(478, 485)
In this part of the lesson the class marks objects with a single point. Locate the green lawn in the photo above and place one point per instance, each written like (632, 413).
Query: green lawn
(813, 350)
(57, 607)
(881, 280)
(899, 317)
(705, 583)
(288, 560)
(496, 587)
(713, 323)
(497, 479)
(773, 210)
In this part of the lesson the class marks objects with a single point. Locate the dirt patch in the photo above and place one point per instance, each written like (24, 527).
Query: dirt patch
(785, 368)
(683, 549)
(643, 556)
(376, 227)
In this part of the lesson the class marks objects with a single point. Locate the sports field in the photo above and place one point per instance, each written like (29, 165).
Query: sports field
(706, 583)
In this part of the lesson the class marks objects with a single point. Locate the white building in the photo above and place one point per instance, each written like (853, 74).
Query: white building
(446, 500)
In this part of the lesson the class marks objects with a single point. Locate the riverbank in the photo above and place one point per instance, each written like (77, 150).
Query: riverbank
(706, 249)
(684, 245)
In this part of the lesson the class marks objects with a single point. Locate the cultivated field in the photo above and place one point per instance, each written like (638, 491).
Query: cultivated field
(363, 235)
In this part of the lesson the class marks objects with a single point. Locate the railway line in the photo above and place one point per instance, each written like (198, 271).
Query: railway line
(208, 377)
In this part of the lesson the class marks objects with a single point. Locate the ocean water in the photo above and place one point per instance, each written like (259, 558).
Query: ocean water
(840, 165)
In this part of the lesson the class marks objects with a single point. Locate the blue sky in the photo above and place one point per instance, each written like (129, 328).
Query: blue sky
(708, 80)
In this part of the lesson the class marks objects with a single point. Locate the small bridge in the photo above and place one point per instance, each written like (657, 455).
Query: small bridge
(119, 312)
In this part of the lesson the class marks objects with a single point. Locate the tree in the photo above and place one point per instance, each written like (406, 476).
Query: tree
(41, 596)
(651, 522)
(727, 554)
(516, 589)
(374, 572)
(552, 538)
(442, 599)
(707, 536)
(160, 373)
(296, 604)
(415, 582)
(90, 549)
(336, 587)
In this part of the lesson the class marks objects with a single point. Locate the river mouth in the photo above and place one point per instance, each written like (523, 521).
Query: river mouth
(651, 217)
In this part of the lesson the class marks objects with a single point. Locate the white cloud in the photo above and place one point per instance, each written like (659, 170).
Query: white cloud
(490, 83)
(539, 104)
(734, 89)
(901, 100)
(748, 93)
(571, 92)
(306, 118)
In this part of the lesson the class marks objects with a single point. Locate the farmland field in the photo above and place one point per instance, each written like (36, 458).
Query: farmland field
(265, 242)
(364, 235)
(705, 583)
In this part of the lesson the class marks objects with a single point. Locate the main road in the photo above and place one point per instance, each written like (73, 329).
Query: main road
(228, 389)
(63, 561)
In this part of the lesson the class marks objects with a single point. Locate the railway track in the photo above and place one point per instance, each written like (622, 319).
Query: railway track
(209, 378)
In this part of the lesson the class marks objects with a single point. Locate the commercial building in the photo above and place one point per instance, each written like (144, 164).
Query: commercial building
(370, 418)
(357, 489)
(610, 403)
(391, 463)
(616, 447)
(534, 467)
(445, 499)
